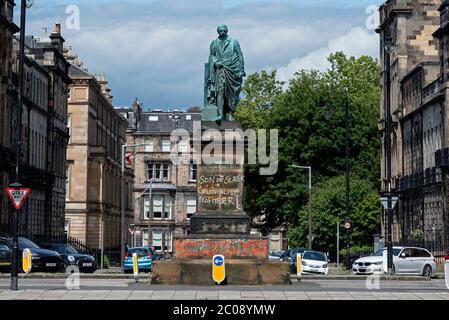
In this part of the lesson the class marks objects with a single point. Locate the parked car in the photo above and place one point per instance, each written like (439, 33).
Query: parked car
(311, 262)
(373, 263)
(85, 263)
(41, 259)
(274, 255)
(146, 257)
(5, 256)
(289, 253)
(406, 260)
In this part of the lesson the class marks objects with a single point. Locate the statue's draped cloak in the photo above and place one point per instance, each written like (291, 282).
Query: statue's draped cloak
(226, 79)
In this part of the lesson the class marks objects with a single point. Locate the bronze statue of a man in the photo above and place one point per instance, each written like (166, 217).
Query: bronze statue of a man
(227, 69)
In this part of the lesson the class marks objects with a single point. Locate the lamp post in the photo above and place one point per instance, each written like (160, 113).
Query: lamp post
(122, 216)
(347, 219)
(15, 252)
(389, 211)
(310, 201)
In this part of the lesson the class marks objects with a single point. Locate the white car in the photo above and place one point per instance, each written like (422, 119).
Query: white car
(406, 260)
(314, 262)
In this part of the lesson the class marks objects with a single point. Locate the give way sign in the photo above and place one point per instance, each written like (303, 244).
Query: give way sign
(18, 196)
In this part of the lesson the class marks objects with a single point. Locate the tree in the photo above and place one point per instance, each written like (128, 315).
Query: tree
(310, 118)
(261, 90)
(329, 203)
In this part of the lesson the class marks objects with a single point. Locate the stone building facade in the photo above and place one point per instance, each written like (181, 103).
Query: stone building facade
(93, 186)
(7, 29)
(414, 39)
(166, 212)
(44, 136)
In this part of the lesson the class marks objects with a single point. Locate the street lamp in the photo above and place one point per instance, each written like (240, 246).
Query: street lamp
(122, 216)
(389, 211)
(310, 201)
(347, 219)
(15, 254)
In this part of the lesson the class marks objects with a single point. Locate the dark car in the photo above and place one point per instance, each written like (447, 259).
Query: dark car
(85, 263)
(41, 259)
(5, 256)
(289, 253)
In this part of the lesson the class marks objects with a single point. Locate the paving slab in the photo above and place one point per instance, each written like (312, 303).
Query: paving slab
(141, 295)
(229, 295)
(118, 295)
(163, 295)
(207, 295)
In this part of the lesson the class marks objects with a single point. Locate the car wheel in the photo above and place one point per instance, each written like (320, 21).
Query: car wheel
(427, 271)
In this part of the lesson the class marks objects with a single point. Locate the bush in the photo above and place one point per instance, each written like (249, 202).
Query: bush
(106, 262)
(356, 252)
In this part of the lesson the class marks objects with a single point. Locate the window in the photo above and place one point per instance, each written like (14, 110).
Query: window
(148, 145)
(157, 240)
(159, 171)
(191, 206)
(165, 144)
(67, 183)
(193, 169)
(69, 126)
(67, 226)
(146, 208)
(162, 207)
(157, 206)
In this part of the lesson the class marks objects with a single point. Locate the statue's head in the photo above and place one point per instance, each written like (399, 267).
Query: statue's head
(222, 30)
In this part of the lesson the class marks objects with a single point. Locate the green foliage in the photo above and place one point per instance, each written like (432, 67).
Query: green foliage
(328, 207)
(261, 90)
(106, 262)
(355, 251)
(309, 115)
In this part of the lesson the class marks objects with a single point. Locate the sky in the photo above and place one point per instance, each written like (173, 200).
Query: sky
(155, 50)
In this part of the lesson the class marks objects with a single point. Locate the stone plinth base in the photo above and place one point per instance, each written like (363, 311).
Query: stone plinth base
(231, 247)
(238, 272)
(224, 224)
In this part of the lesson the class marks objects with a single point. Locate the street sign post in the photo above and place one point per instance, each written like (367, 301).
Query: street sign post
(136, 266)
(298, 264)
(218, 268)
(26, 261)
(384, 200)
(18, 196)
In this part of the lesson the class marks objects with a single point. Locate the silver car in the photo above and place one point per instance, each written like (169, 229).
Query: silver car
(406, 260)
(412, 260)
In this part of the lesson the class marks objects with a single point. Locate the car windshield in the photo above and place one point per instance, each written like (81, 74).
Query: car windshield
(313, 255)
(26, 244)
(379, 253)
(275, 254)
(63, 249)
(139, 251)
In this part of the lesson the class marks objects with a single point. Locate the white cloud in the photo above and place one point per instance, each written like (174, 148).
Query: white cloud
(156, 50)
(358, 41)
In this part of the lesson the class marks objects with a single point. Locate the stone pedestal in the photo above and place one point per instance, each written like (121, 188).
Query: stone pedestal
(238, 272)
(220, 226)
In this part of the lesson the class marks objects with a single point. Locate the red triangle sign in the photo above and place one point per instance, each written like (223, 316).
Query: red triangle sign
(18, 196)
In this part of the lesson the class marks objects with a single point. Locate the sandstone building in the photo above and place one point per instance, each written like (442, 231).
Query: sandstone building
(7, 29)
(414, 59)
(173, 193)
(93, 186)
(44, 137)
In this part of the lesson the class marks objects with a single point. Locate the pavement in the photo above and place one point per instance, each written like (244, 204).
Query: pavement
(124, 289)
